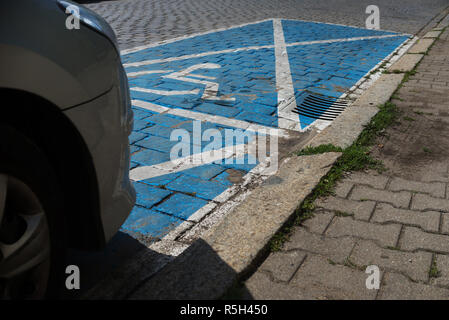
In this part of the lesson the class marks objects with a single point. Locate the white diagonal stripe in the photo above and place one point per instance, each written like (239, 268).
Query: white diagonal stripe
(140, 73)
(235, 123)
(181, 164)
(284, 83)
(165, 92)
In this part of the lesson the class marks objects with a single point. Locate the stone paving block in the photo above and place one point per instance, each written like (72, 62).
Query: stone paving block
(136, 136)
(160, 144)
(426, 202)
(414, 238)
(442, 263)
(150, 157)
(166, 120)
(444, 23)
(256, 117)
(415, 265)
(147, 196)
(215, 109)
(406, 63)
(438, 172)
(335, 249)
(445, 223)
(421, 46)
(371, 179)
(319, 222)
(283, 265)
(261, 287)
(395, 286)
(432, 34)
(146, 225)
(198, 187)
(161, 180)
(181, 205)
(360, 209)
(435, 189)
(323, 280)
(384, 235)
(205, 172)
(141, 124)
(428, 220)
(398, 199)
(342, 189)
(158, 130)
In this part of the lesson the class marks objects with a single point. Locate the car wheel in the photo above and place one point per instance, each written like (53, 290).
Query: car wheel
(32, 243)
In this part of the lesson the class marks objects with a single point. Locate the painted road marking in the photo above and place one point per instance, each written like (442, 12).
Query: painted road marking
(210, 87)
(247, 77)
(205, 54)
(284, 83)
(234, 123)
(141, 73)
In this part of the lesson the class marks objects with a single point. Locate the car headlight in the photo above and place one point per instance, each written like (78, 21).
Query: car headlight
(90, 19)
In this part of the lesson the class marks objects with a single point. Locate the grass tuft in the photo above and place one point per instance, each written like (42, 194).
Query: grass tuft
(319, 149)
(434, 272)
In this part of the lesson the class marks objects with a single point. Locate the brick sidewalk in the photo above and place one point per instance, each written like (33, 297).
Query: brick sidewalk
(398, 221)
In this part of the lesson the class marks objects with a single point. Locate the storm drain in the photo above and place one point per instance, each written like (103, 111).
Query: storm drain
(321, 107)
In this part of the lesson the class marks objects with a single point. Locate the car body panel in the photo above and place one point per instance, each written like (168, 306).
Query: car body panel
(38, 54)
(110, 152)
(79, 72)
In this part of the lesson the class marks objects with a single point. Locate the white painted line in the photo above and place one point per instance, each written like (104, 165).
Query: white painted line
(200, 213)
(210, 118)
(211, 88)
(168, 248)
(304, 43)
(284, 83)
(165, 92)
(209, 53)
(140, 73)
(181, 164)
(196, 55)
(181, 228)
(193, 35)
(150, 106)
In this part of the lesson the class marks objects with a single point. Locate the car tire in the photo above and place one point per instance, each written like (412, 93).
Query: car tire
(32, 223)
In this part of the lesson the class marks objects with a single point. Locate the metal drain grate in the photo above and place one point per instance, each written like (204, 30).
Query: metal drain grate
(321, 107)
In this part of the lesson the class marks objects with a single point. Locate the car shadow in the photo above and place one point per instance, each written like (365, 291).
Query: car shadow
(127, 269)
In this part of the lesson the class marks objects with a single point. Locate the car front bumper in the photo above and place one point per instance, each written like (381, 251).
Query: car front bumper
(105, 124)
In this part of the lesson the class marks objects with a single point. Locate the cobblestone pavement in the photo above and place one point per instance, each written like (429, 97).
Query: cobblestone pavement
(398, 220)
(139, 22)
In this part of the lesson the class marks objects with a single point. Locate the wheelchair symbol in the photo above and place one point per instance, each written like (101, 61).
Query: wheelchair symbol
(210, 90)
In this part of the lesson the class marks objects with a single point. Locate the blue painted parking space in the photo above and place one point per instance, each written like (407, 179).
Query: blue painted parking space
(228, 79)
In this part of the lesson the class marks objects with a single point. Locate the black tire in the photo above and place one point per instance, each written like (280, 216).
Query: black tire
(21, 160)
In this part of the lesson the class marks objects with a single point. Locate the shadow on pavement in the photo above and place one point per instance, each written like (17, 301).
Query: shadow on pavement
(96, 265)
(126, 269)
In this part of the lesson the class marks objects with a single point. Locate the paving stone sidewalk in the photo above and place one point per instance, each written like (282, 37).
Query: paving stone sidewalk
(398, 220)
(139, 22)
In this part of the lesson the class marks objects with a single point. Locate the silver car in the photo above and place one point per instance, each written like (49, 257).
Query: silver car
(65, 118)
